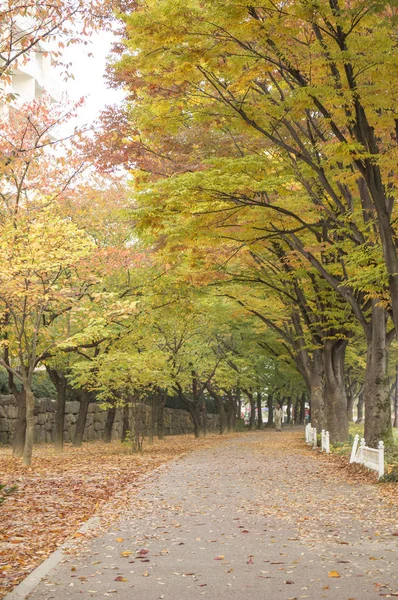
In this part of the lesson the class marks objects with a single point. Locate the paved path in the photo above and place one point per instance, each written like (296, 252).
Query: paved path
(255, 518)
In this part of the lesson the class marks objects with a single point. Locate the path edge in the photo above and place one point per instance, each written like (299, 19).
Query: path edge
(31, 581)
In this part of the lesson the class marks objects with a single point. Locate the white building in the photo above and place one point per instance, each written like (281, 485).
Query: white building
(32, 74)
(31, 79)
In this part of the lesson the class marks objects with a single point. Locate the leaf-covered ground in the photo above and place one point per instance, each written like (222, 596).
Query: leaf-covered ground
(58, 493)
(259, 516)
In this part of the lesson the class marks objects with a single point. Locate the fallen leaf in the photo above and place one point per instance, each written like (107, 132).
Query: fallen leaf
(333, 574)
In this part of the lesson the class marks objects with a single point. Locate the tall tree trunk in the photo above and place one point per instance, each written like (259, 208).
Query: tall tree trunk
(302, 409)
(336, 399)
(137, 416)
(376, 393)
(223, 417)
(126, 425)
(220, 407)
(161, 405)
(232, 408)
(270, 402)
(350, 406)
(30, 426)
(197, 421)
(59, 380)
(203, 412)
(110, 419)
(81, 419)
(193, 407)
(152, 419)
(396, 397)
(18, 437)
(252, 420)
(260, 423)
(296, 411)
(360, 405)
(317, 390)
(289, 411)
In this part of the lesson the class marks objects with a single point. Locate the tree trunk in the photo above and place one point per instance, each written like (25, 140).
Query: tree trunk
(196, 420)
(30, 426)
(126, 426)
(302, 409)
(376, 393)
(203, 412)
(138, 434)
(152, 419)
(296, 411)
(18, 437)
(396, 397)
(252, 420)
(220, 408)
(232, 407)
(270, 402)
(260, 423)
(317, 390)
(289, 411)
(81, 419)
(59, 380)
(336, 399)
(110, 419)
(161, 405)
(350, 406)
(360, 417)
(223, 417)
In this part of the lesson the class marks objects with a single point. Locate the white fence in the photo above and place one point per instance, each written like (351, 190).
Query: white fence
(311, 438)
(325, 441)
(310, 435)
(373, 458)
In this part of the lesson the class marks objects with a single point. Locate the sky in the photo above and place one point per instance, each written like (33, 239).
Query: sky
(88, 75)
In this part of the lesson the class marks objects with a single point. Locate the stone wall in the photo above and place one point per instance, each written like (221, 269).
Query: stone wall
(176, 422)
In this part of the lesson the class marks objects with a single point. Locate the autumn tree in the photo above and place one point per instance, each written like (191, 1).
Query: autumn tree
(297, 84)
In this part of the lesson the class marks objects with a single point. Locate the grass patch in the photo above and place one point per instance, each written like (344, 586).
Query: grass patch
(6, 490)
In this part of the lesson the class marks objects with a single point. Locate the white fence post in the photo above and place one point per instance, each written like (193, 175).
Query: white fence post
(381, 459)
(327, 443)
(372, 458)
(362, 445)
(315, 441)
(354, 448)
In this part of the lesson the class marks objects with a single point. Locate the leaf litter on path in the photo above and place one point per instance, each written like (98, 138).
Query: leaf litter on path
(59, 492)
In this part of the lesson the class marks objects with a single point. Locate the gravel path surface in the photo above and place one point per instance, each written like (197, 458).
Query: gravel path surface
(257, 517)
